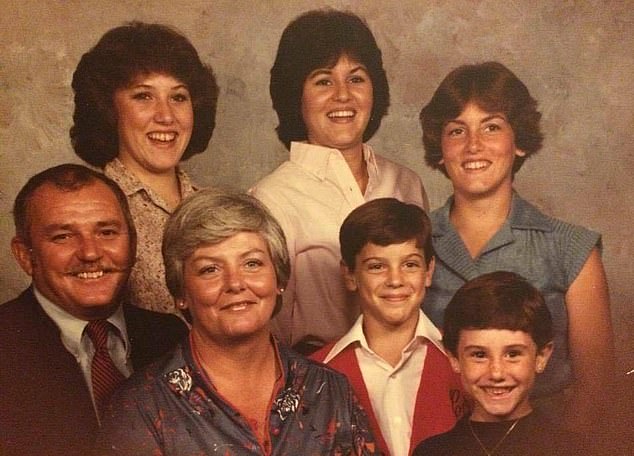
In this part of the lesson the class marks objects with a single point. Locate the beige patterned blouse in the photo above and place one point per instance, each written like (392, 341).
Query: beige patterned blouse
(149, 212)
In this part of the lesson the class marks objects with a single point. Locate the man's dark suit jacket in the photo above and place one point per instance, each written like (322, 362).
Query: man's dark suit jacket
(45, 406)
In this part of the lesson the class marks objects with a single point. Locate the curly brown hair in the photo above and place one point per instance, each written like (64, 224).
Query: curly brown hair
(122, 54)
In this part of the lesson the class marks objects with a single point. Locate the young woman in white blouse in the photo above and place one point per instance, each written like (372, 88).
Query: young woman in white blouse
(330, 92)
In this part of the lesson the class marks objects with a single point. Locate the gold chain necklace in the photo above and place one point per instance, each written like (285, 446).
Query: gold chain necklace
(497, 445)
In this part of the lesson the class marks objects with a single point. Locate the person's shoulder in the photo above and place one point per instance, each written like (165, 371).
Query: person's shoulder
(526, 213)
(280, 189)
(401, 170)
(275, 178)
(320, 355)
(440, 218)
(312, 367)
(19, 316)
(437, 445)
(557, 439)
(440, 211)
(134, 314)
(578, 234)
(150, 330)
(18, 306)
(169, 367)
(573, 241)
(150, 383)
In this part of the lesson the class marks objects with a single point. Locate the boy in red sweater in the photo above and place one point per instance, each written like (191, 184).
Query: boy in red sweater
(393, 354)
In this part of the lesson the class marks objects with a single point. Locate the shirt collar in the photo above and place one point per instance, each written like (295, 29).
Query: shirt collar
(523, 216)
(353, 336)
(130, 184)
(72, 328)
(315, 159)
(191, 357)
(425, 330)
(526, 216)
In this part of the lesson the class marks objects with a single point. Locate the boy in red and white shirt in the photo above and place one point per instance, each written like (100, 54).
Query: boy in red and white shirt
(393, 355)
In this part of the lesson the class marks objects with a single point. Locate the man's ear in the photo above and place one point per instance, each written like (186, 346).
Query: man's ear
(348, 276)
(22, 254)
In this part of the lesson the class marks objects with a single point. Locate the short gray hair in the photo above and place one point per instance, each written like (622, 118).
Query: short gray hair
(209, 217)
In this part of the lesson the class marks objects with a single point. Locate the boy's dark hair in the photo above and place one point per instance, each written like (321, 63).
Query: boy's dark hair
(316, 39)
(383, 222)
(497, 300)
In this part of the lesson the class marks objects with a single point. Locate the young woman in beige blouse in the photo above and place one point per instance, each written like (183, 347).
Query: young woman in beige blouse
(144, 102)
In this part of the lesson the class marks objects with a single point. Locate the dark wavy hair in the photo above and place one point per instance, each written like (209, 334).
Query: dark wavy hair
(384, 221)
(122, 54)
(494, 88)
(316, 39)
(497, 300)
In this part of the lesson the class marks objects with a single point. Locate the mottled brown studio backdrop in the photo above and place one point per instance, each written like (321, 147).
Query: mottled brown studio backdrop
(577, 58)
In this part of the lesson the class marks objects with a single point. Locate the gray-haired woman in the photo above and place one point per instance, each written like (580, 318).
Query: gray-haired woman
(230, 385)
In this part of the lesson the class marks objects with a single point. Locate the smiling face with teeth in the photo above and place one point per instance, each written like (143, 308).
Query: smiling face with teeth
(478, 151)
(230, 289)
(155, 119)
(498, 369)
(78, 251)
(336, 105)
(390, 283)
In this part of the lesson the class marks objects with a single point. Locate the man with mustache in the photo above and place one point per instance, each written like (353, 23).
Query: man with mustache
(69, 339)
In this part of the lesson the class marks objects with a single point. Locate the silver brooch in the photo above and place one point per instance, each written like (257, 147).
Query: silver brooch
(179, 380)
(287, 403)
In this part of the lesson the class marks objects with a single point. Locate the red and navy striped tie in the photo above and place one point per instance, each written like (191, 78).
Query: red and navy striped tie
(105, 375)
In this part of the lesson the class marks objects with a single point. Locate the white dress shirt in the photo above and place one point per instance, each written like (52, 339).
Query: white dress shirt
(79, 344)
(392, 390)
(310, 195)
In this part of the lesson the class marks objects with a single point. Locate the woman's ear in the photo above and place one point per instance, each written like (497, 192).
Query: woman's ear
(348, 276)
(520, 152)
(181, 303)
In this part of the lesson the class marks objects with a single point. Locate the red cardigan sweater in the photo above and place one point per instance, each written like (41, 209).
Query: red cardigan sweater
(439, 401)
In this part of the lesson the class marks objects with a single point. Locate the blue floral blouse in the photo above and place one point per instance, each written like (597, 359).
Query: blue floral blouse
(171, 409)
